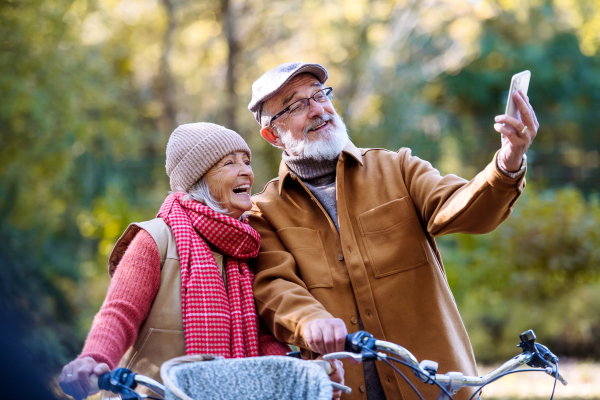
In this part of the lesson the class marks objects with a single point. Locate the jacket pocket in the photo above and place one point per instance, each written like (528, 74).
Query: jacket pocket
(307, 248)
(392, 238)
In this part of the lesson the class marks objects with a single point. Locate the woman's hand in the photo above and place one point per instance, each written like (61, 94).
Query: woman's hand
(336, 376)
(517, 133)
(75, 376)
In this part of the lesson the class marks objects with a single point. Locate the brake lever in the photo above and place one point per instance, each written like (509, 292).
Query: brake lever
(343, 354)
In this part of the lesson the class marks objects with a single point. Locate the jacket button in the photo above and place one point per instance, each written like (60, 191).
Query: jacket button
(362, 388)
(353, 320)
(340, 257)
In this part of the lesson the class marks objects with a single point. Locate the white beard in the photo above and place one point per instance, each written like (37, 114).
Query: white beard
(327, 146)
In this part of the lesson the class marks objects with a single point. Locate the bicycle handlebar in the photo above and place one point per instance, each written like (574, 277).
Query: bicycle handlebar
(362, 346)
(123, 381)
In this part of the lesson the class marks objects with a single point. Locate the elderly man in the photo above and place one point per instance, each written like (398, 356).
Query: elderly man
(348, 233)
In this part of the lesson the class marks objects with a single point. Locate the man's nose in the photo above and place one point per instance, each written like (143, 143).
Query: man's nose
(314, 109)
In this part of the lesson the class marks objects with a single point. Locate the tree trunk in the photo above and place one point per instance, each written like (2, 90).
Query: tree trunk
(231, 97)
(166, 86)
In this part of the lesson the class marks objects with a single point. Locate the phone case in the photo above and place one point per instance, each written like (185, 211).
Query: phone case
(519, 81)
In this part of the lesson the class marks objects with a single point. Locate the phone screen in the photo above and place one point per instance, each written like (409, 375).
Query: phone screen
(519, 81)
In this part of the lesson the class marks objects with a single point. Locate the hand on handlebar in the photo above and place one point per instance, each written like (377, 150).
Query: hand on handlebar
(75, 376)
(336, 376)
(326, 335)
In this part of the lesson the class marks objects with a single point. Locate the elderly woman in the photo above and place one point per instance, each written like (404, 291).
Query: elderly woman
(180, 283)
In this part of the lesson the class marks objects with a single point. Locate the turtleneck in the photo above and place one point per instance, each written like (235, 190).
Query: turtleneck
(319, 177)
(308, 168)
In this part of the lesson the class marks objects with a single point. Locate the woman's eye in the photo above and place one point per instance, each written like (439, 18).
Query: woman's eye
(228, 162)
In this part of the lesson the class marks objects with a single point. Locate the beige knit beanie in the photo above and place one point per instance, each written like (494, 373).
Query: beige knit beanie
(194, 148)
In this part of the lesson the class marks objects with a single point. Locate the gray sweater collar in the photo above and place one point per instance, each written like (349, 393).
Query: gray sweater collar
(308, 168)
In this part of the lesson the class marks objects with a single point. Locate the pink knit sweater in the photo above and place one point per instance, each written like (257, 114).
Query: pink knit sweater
(127, 304)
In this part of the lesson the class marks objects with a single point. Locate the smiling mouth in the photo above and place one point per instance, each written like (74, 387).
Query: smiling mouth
(242, 189)
(319, 126)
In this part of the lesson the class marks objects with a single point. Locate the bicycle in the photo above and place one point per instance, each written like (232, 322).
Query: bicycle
(206, 376)
(362, 346)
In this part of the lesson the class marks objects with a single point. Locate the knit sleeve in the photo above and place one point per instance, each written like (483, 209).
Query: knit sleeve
(130, 295)
(268, 345)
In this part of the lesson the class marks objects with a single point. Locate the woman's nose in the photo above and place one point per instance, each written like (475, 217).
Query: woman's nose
(245, 170)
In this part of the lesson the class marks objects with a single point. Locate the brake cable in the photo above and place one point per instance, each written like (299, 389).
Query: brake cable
(397, 370)
(504, 374)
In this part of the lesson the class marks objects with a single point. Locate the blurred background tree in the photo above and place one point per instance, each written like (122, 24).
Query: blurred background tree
(91, 90)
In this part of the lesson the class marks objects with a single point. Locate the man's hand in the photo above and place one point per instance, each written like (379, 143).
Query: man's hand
(514, 141)
(326, 335)
(75, 376)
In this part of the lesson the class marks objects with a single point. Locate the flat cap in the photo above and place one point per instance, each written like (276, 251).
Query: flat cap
(271, 81)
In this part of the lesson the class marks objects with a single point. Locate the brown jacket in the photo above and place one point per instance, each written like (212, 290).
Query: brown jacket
(383, 264)
(160, 337)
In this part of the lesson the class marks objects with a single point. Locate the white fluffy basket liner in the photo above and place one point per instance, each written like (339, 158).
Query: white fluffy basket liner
(270, 377)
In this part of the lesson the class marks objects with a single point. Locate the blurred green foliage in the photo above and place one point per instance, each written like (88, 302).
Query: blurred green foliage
(538, 271)
(91, 90)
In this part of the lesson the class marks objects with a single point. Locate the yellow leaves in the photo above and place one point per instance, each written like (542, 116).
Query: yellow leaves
(590, 36)
(465, 29)
(372, 114)
(377, 33)
(338, 54)
(433, 91)
(381, 9)
(574, 158)
(354, 10)
(94, 29)
(485, 10)
(199, 32)
(106, 221)
(450, 161)
(495, 60)
(86, 224)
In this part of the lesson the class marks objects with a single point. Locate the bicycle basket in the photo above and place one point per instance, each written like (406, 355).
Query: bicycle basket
(271, 377)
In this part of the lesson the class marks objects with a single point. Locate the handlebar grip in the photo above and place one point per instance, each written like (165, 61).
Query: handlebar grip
(357, 340)
(93, 384)
(98, 383)
(325, 365)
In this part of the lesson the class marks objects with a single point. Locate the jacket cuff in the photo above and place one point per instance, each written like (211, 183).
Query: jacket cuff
(500, 181)
(299, 338)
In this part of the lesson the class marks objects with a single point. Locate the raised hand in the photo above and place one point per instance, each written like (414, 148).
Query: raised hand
(517, 133)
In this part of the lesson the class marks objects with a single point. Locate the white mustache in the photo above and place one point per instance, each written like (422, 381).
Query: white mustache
(316, 122)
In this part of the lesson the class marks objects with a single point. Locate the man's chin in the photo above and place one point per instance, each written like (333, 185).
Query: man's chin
(322, 135)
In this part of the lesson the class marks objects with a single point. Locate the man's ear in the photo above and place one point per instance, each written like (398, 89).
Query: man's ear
(271, 137)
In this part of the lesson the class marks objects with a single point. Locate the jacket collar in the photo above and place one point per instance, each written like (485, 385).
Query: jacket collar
(350, 149)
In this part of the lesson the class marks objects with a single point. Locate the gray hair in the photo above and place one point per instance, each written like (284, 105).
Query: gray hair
(265, 117)
(200, 192)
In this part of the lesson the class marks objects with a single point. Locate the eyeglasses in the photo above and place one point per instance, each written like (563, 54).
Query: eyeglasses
(298, 107)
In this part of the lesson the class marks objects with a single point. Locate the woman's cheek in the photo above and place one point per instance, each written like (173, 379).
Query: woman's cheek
(217, 185)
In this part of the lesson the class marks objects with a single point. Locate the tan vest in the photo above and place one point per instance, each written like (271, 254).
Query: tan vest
(160, 337)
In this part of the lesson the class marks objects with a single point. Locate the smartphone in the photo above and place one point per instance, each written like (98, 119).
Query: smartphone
(519, 81)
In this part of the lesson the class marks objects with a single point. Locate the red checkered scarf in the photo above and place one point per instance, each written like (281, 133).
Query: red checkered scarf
(215, 320)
